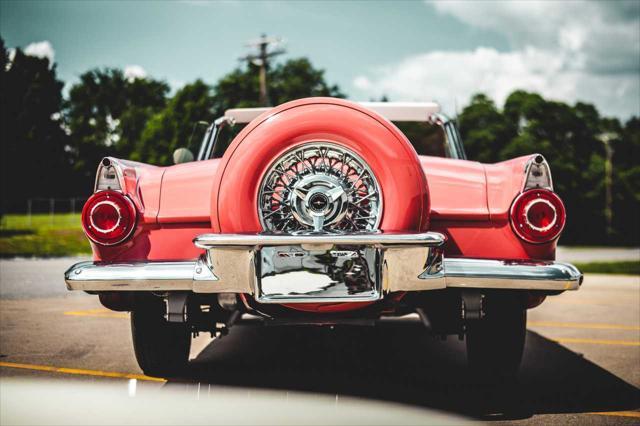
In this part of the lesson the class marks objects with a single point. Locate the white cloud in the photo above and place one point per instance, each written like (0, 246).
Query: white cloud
(453, 77)
(175, 85)
(606, 34)
(564, 50)
(362, 83)
(131, 72)
(11, 54)
(41, 49)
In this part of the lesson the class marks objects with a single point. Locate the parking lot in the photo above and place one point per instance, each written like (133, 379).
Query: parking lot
(581, 362)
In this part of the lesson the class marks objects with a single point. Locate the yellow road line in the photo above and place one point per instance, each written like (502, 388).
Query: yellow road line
(80, 372)
(598, 341)
(99, 312)
(619, 413)
(594, 302)
(116, 375)
(96, 310)
(594, 326)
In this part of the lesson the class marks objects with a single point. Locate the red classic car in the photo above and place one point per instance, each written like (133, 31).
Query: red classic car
(326, 212)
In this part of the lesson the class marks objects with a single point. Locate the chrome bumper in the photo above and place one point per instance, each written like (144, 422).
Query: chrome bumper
(322, 268)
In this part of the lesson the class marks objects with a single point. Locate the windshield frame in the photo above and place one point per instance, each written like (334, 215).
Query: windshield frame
(451, 135)
(208, 146)
(452, 138)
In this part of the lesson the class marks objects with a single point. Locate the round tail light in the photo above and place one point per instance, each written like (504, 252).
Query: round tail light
(538, 216)
(108, 217)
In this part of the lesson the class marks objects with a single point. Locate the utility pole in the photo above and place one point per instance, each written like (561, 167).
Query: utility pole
(606, 139)
(261, 59)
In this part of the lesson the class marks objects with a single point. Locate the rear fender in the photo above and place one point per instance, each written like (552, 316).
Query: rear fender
(505, 181)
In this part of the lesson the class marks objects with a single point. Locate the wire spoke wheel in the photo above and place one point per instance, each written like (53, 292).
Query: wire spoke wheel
(319, 187)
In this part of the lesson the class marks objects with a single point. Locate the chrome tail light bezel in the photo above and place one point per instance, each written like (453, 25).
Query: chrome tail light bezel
(521, 224)
(537, 174)
(126, 210)
(109, 176)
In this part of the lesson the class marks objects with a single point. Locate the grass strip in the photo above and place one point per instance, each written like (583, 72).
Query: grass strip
(625, 268)
(42, 235)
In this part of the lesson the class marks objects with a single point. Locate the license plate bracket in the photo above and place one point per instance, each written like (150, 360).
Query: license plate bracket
(296, 274)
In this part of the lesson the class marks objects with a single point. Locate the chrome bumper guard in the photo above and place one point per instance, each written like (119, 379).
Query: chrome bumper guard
(322, 268)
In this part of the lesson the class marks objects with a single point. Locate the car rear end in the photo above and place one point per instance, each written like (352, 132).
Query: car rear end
(321, 212)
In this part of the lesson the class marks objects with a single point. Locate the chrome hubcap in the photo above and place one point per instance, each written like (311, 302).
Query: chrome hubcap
(318, 200)
(319, 187)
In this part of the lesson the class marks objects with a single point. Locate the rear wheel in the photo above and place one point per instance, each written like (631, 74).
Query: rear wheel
(496, 342)
(161, 348)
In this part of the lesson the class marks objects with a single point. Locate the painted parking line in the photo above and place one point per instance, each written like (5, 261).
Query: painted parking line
(593, 302)
(618, 413)
(116, 375)
(597, 341)
(593, 326)
(80, 372)
(99, 312)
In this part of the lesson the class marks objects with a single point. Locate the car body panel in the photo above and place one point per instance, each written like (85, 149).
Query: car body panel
(143, 183)
(504, 181)
(470, 204)
(489, 240)
(153, 242)
(186, 192)
(457, 189)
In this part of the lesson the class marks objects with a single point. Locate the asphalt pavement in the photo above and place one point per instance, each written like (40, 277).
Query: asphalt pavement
(581, 362)
(597, 254)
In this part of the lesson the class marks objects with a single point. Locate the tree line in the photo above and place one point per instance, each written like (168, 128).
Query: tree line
(574, 139)
(51, 144)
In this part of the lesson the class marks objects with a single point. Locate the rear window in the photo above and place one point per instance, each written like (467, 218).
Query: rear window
(225, 137)
(426, 138)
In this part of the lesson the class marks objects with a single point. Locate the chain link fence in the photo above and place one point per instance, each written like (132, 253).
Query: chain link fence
(58, 210)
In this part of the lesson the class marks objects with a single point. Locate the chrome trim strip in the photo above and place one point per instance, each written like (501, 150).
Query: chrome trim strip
(109, 163)
(505, 274)
(428, 239)
(537, 174)
(451, 133)
(90, 276)
(392, 111)
(235, 273)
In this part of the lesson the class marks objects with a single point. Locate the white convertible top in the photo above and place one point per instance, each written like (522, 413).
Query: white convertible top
(392, 111)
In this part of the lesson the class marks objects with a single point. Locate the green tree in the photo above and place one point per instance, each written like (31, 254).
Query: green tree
(626, 182)
(485, 129)
(567, 137)
(107, 113)
(172, 127)
(33, 160)
(293, 79)
(570, 138)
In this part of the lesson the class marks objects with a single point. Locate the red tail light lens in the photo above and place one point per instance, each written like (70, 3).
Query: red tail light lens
(538, 216)
(108, 218)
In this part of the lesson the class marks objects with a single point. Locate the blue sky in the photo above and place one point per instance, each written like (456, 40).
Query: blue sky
(443, 51)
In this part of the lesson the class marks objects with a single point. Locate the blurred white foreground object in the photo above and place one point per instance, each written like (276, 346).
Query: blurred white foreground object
(73, 403)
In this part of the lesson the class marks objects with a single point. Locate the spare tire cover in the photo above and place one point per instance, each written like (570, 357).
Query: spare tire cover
(390, 156)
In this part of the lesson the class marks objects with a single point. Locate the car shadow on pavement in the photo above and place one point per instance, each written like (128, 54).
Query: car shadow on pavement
(403, 363)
